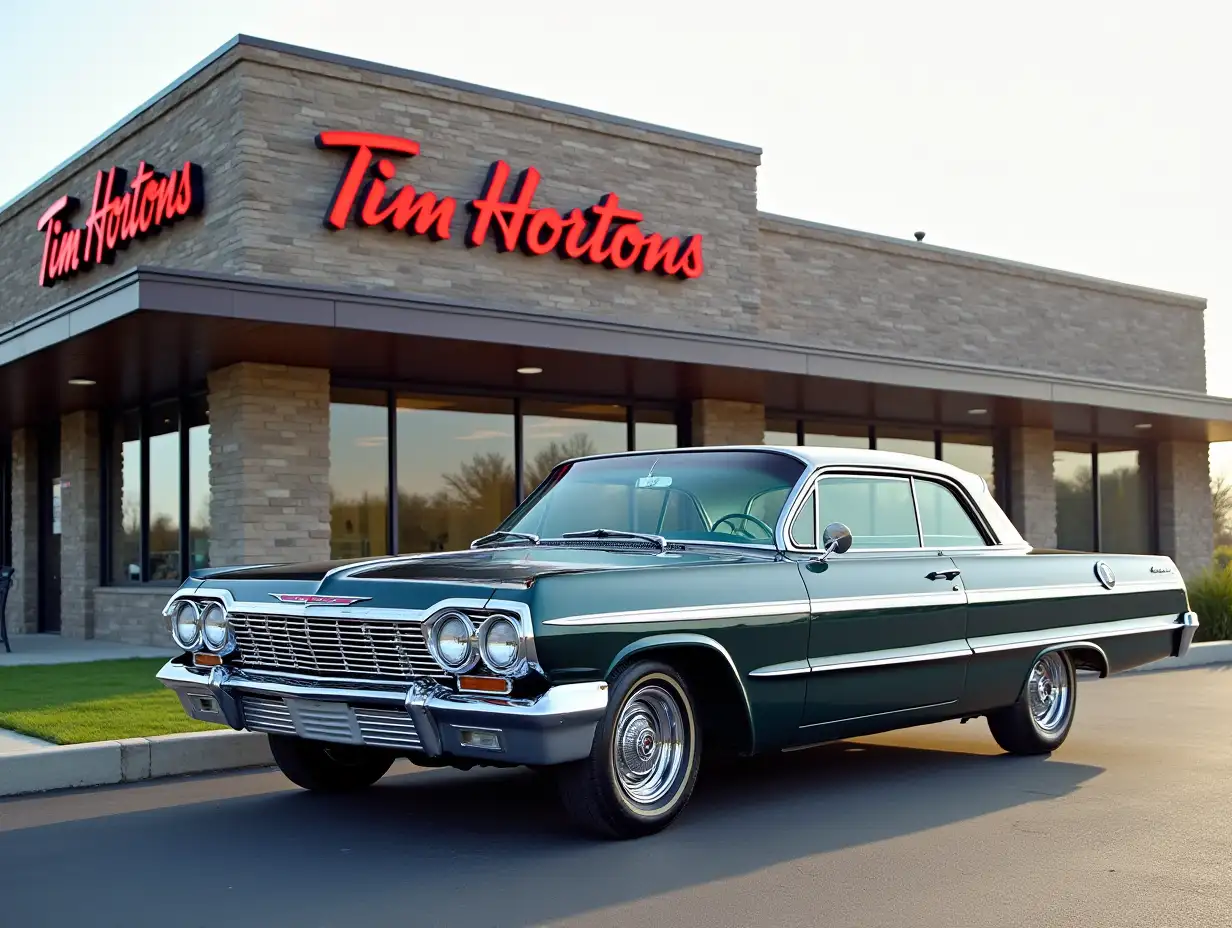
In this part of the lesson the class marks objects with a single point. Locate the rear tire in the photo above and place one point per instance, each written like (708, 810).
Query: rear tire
(644, 760)
(323, 767)
(1041, 718)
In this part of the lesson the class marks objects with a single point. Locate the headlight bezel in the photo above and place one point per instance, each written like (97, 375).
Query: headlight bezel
(205, 610)
(514, 668)
(432, 633)
(180, 607)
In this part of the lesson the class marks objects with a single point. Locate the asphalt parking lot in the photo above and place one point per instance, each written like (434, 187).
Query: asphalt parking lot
(1128, 824)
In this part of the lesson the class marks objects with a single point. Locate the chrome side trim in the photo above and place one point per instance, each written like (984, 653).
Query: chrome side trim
(874, 715)
(942, 650)
(988, 644)
(685, 614)
(1059, 591)
(888, 601)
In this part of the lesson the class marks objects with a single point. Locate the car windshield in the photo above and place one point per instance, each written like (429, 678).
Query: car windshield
(725, 496)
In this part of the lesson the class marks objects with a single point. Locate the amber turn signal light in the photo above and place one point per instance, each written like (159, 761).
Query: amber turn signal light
(207, 660)
(484, 685)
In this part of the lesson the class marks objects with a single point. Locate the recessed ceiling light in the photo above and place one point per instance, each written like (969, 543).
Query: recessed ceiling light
(976, 412)
(1142, 425)
(530, 370)
(82, 382)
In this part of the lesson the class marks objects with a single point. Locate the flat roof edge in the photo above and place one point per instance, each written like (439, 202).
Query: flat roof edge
(792, 226)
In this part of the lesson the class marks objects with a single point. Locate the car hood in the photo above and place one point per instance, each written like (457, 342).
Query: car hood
(430, 578)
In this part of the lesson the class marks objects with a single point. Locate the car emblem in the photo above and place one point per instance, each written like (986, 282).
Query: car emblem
(1104, 574)
(309, 599)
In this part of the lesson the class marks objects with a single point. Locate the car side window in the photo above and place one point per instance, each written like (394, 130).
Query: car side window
(879, 510)
(804, 526)
(943, 519)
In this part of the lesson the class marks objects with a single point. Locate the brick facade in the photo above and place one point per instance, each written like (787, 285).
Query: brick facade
(80, 532)
(1033, 494)
(131, 615)
(22, 608)
(1186, 520)
(269, 464)
(725, 422)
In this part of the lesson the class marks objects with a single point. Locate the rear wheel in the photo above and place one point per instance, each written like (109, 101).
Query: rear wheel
(644, 760)
(1041, 718)
(328, 768)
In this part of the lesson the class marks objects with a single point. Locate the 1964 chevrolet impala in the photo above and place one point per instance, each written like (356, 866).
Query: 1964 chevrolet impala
(640, 608)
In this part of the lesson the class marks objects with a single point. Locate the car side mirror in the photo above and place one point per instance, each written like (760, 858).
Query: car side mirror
(836, 539)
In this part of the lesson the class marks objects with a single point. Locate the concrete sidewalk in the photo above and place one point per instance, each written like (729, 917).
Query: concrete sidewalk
(55, 649)
(13, 743)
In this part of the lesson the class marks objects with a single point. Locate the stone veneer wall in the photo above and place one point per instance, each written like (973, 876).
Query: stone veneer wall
(726, 422)
(22, 607)
(132, 615)
(1033, 494)
(269, 464)
(1186, 519)
(80, 531)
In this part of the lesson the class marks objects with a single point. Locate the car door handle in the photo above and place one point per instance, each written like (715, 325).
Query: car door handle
(944, 574)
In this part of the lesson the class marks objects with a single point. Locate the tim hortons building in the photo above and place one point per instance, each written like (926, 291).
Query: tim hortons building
(301, 306)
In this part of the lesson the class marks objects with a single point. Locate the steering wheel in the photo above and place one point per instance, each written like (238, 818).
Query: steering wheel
(747, 518)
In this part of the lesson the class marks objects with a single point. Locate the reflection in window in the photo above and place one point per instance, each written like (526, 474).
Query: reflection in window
(944, 521)
(879, 510)
(124, 497)
(1071, 474)
(653, 429)
(358, 473)
(1124, 503)
(972, 453)
(164, 555)
(832, 435)
(907, 441)
(455, 470)
(804, 525)
(198, 483)
(781, 433)
(555, 432)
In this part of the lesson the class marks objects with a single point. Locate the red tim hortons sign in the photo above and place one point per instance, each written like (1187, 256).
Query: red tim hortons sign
(122, 212)
(606, 233)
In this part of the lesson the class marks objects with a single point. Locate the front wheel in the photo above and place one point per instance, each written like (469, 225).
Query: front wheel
(1041, 718)
(328, 768)
(644, 760)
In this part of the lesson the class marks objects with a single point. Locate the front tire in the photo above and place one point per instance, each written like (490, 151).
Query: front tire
(1041, 718)
(644, 760)
(328, 768)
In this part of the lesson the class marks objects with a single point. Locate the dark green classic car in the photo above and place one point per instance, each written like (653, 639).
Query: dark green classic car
(640, 609)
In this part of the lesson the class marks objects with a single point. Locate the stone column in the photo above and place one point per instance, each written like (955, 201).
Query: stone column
(22, 608)
(79, 523)
(727, 422)
(269, 464)
(1186, 517)
(1033, 495)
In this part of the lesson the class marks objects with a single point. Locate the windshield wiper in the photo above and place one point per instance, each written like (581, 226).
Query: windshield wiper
(503, 536)
(658, 540)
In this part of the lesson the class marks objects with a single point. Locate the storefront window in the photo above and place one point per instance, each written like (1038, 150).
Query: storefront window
(907, 441)
(654, 429)
(972, 453)
(832, 435)
(124, 498)
(199, 488)
(1071, 474)
(1124, 503)
(555, 432)
(781, 432)
(164, 428)
(455, 470)
(359, 473)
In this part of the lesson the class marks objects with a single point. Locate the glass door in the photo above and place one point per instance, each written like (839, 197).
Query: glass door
(49, 490)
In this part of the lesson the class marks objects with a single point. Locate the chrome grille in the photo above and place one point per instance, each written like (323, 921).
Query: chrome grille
(379, 649)
(336, 722)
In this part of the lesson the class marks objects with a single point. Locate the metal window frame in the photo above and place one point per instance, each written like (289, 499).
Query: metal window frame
(6, 497)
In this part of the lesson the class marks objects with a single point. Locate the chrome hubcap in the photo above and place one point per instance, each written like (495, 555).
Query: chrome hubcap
(649, 744)
(1048, 691)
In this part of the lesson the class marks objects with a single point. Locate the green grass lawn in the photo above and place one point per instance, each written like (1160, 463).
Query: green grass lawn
(98, 701)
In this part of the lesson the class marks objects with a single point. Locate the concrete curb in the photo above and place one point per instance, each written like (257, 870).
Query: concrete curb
(105, 762)
(1201, 654)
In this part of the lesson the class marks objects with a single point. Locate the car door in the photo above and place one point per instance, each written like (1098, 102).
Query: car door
(888, 617)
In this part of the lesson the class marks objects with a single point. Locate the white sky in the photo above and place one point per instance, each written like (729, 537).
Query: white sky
(1085, 136)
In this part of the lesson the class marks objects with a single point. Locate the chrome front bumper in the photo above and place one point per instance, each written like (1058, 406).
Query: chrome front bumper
(422, 718)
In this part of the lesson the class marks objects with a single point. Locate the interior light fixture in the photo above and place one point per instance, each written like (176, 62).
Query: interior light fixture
(530, 370)
(82, 382)
(1142, 425)
(977, 412)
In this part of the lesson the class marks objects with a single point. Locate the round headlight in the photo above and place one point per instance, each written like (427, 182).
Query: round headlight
(451, 641)
(186, 627)
(500, 645)
(214, 627)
